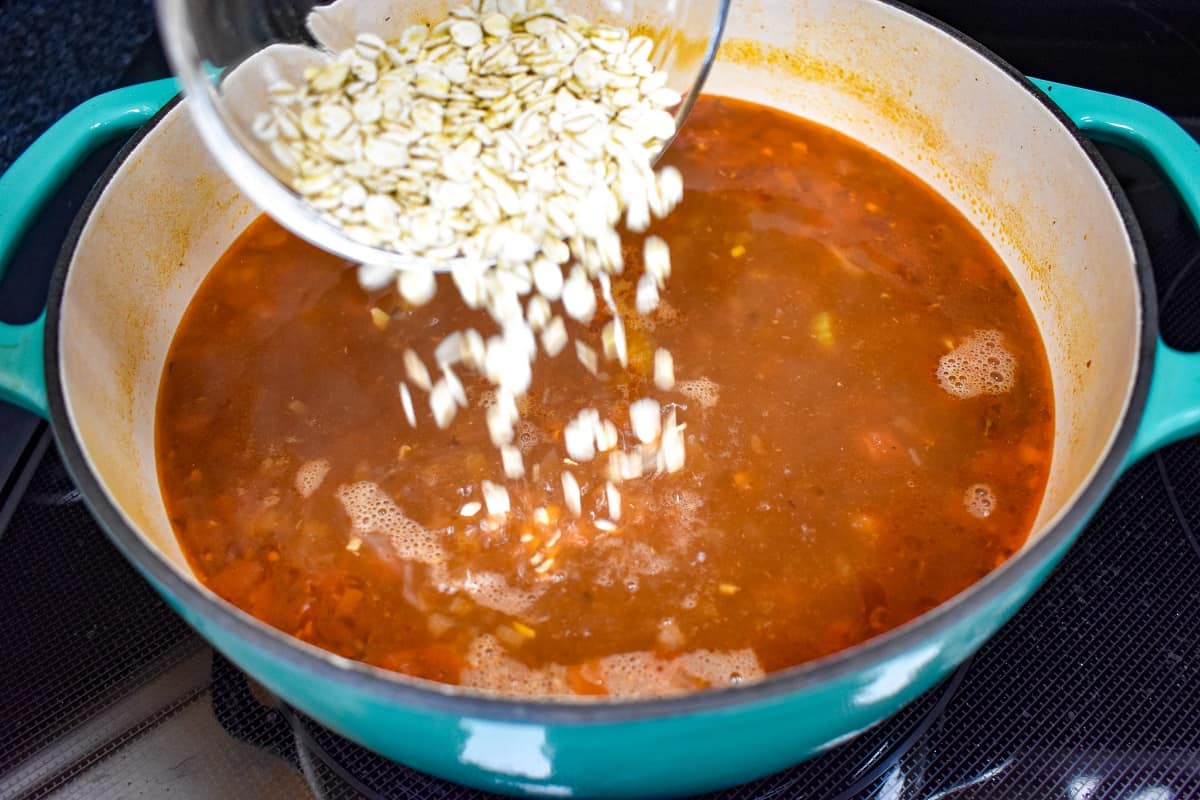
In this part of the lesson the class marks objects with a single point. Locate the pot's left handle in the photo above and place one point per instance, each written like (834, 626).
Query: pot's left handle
(1173, 407)
(24, 189)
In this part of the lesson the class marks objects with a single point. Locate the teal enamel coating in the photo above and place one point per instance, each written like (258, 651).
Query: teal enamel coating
(668, 748)
(22, 381)
(24, 189)
(1173, 408)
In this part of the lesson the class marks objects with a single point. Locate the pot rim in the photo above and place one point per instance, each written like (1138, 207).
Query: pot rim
(395, 689)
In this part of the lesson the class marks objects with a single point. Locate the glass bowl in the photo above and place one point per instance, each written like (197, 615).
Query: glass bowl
(226, 53)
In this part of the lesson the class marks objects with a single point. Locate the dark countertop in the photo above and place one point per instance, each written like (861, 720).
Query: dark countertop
(58, 53)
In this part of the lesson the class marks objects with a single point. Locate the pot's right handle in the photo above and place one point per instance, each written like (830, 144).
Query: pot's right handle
(1173, 407)
(24, 189)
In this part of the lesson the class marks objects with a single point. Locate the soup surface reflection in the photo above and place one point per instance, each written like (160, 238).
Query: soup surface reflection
(869, 423)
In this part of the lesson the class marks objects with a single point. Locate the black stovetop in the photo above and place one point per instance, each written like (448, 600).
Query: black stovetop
(1091, 692)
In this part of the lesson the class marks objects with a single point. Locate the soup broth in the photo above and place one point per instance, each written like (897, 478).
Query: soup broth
(869, 425)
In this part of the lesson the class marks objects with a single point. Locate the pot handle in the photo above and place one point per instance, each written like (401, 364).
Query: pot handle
(24, 189)
(1173, 406)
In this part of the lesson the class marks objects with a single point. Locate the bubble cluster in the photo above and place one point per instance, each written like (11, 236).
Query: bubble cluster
(372, 511)
(980, 500)
(684, 505)
(637, 674)
(979, 365)
(626, 675)
(492, 590)
(526, 436)
(489, 668)
(701, 390)
(645, 560)
(310, 475)
(626, 563)
(666, 314)
(718, 668)
(643, 323)
(642, 674)
(487, 399)
(684, 502)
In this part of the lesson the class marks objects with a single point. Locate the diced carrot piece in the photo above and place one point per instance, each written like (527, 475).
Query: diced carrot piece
(586, 678)
(350, 601)
(1030, 454)
(397, 661)
(238, 578)
(440, 662)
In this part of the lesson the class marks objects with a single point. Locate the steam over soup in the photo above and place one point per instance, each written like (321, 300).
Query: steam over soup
(868, 420)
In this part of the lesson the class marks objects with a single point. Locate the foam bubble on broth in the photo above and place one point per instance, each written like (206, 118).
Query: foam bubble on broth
(666, 314)
(637, 674)
(642, 674)
(492, 590)
(645, 560)
(979, 365)
(372, 511)
(491, 669)
(684, 506)
(310, 475)
(526, 436)
(625, 562)
(627, 675)
(718, 668)
(641, 323)
(685, 503)
(980, 500)
(701, 390)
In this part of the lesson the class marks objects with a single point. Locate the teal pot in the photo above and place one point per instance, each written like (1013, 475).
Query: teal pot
(1011, 153)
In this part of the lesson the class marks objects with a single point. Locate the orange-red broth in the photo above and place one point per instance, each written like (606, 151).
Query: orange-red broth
(837, 483)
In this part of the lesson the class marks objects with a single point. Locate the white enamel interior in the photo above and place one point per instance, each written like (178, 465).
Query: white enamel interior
(886, 78)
